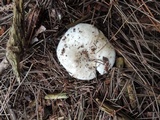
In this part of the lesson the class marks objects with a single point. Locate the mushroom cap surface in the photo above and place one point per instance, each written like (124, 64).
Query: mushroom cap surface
(83, 49)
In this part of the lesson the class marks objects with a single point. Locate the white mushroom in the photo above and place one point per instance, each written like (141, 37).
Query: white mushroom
(83, 49)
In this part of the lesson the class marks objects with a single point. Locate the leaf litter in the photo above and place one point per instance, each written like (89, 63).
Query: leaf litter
(131, 87)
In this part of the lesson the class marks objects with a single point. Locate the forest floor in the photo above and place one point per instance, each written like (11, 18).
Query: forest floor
(130, 90)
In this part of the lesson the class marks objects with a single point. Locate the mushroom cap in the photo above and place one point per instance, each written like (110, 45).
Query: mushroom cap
(83, 49)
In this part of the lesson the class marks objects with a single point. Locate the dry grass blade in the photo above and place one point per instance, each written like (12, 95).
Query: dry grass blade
(56, 96)
(16, 40)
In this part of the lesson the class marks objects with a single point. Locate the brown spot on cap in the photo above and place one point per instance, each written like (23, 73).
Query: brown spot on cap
(81, 46)
(93, 49)
(63, 51)
(85, 52)
(74, 29)
(105, 59)
(106, 63)
(65, 45)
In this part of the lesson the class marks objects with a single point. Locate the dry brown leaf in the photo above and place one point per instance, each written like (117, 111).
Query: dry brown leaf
(2, 30)
(33, 22)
